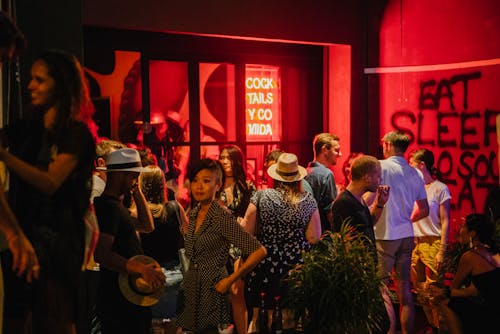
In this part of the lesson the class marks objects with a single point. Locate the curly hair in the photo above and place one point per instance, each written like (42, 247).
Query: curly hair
(153, 184)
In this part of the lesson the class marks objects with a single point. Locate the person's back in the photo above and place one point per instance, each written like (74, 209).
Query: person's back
(283, 222)
(287, 223)
(163, 243)
(394, 229)
(406, 188)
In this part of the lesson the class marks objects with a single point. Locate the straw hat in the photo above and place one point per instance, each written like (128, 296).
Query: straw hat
(287, 169)
(124, 160)
(135, 289)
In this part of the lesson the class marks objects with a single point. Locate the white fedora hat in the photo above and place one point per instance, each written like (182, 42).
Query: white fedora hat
(287, 169)
(135, 289)
(124, 160)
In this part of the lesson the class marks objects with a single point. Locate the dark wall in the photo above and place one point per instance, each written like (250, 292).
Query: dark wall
(322, 21)
(58, 24)
(48, 24)
(319, 21)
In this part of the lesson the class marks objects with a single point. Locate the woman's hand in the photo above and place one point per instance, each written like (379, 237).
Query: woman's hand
(438, 294)
(25, 260)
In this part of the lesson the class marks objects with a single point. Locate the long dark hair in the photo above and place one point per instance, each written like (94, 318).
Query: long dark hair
(427, 157)
(484, 227)
(239, 176)
(71, 92)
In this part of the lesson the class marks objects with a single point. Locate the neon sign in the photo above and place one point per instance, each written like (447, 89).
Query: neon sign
(263, 107)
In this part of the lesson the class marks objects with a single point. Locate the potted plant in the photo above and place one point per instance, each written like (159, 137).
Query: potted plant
(337, 288)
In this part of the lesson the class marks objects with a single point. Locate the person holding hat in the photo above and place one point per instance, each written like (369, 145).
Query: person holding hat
(123, 305)
(285, 219)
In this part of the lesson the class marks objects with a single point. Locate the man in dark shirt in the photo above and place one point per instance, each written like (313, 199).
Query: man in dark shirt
(118, 243)
(350, 206)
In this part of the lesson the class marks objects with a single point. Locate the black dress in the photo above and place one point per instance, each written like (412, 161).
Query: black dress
(479, 314)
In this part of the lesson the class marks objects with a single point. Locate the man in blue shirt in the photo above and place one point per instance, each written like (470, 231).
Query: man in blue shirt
(320, 176)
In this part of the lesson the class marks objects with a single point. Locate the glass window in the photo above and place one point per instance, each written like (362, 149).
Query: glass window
(217, 103)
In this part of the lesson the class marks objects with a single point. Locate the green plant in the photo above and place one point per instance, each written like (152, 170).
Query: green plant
(453, 255)
(496, 236)
(337, 289)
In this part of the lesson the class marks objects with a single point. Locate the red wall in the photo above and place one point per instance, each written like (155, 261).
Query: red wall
(449, 102)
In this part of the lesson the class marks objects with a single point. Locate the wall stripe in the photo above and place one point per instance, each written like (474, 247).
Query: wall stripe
(437, 67)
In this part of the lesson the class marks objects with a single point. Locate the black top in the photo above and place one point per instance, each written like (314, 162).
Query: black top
(163, 243)
(54, 223)
(345, 207)
(114, 219)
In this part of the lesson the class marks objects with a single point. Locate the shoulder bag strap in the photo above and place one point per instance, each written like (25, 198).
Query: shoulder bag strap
(178, 214)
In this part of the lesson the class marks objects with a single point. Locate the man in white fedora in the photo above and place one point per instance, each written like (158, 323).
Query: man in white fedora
(118, 246)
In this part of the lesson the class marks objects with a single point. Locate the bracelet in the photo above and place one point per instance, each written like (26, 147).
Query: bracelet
(380, 206)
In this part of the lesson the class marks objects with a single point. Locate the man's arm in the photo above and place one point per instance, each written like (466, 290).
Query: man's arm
(421, 210)
(313, 231)
(444, 215)
(380, 197)
(23, 253)
(144, 222)
(115, 262)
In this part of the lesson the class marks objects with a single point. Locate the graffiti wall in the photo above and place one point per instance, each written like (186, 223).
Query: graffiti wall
(440, 83)
(452, 113)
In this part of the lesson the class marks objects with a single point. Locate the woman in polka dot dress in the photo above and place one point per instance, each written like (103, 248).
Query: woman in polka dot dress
(288, 224)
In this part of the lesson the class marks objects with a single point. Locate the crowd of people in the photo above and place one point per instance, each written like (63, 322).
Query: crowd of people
(239, 242)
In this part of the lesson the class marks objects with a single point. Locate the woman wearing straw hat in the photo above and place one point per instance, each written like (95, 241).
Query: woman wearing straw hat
(288, 223)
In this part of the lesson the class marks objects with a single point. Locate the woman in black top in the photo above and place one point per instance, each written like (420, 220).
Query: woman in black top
(51, 161)
(163, 243)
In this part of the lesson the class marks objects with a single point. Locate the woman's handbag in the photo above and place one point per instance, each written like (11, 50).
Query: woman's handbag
(183, 259)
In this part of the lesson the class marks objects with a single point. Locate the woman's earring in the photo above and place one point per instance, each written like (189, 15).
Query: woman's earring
(470, 243)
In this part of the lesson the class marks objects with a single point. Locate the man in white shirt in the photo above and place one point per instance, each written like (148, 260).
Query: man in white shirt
(394, 230)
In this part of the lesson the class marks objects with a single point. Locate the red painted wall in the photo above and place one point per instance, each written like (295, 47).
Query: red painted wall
(449, 108)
